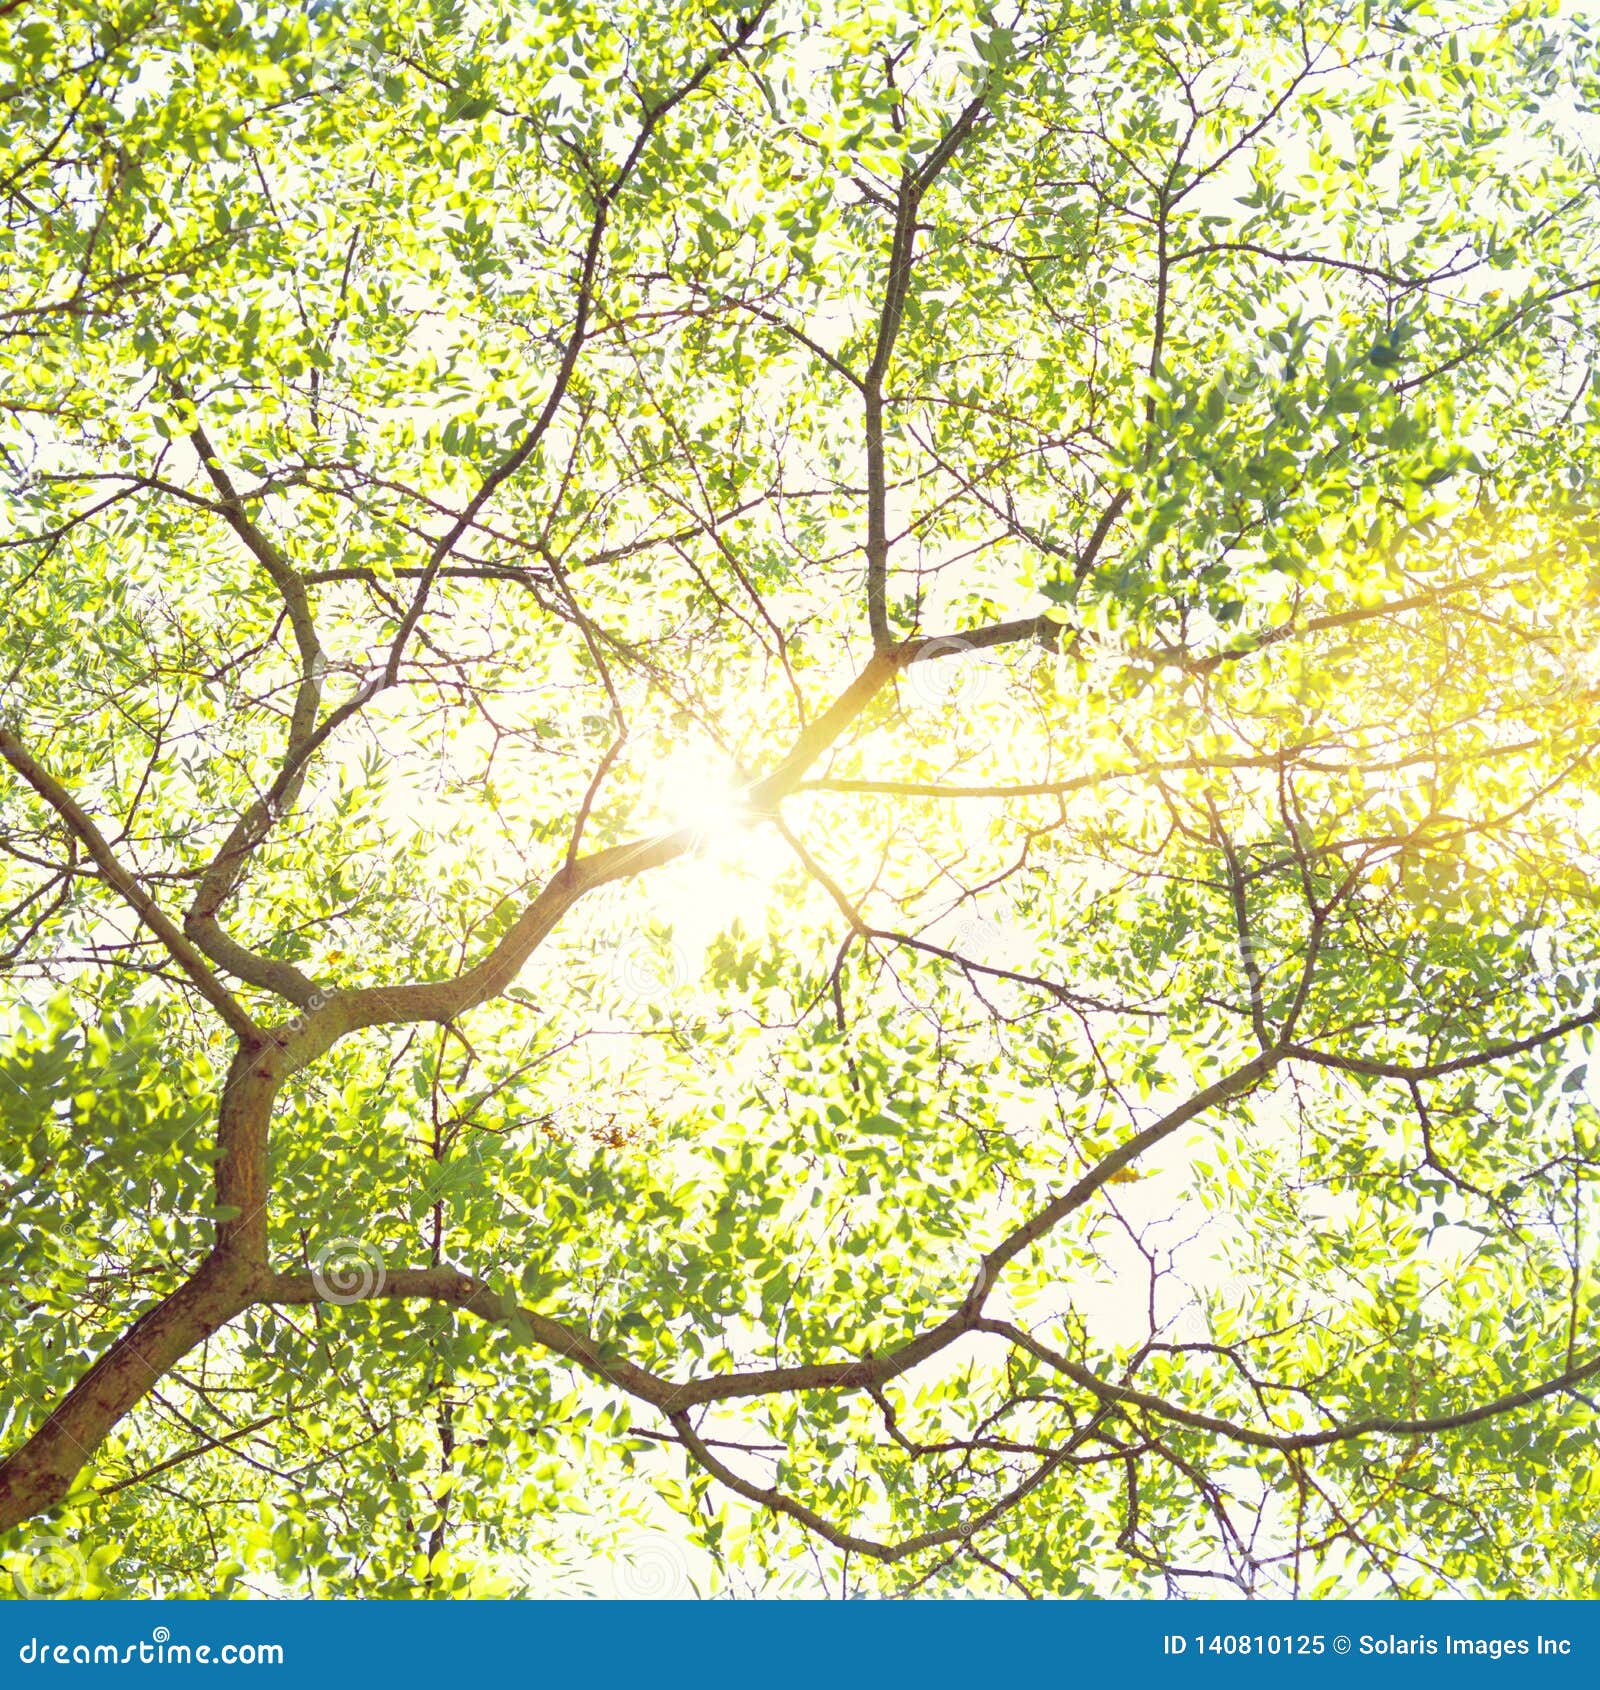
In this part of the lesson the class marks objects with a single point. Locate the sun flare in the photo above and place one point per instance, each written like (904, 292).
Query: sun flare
(699, 793)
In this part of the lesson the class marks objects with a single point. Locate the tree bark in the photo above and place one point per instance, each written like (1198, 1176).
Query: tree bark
(39, 1475)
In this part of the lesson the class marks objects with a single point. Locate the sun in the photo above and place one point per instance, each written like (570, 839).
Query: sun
(736, 855)
(701, 796)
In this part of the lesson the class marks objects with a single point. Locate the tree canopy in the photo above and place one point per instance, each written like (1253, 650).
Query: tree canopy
(821, 771)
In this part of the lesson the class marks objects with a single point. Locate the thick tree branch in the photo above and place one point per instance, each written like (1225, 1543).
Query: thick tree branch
(914, 185)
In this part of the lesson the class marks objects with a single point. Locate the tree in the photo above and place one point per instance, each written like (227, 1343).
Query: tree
(834, 762)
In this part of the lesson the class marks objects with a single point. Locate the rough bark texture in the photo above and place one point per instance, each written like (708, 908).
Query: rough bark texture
(37, 1476)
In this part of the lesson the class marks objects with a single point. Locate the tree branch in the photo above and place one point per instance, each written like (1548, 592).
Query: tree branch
(179, 947)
